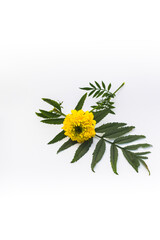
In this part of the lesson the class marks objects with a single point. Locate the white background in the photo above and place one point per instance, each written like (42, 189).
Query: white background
(50, 49)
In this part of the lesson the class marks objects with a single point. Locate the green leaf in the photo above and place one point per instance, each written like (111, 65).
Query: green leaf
(82, 150)
(128, 139)
(58, 137)
(145, 165)
(98, 116)
(98, 153)
(141, 157)
(96, 93)
(110, 111)
(100, 94)
(142, 153)
(136, 146)
(86, 88)
(131, 158)
(110, 106)
(109, 86)
(105, 95)
(81, 102)
(92, 85)
(53, 103)
(66, 145)
(114, 157)
(53, 121)
(103, 85)
(113, 133)
(91, 92)
(94, 106)
(49, 114)
(98, 85)
(41, 115)
(107, 126)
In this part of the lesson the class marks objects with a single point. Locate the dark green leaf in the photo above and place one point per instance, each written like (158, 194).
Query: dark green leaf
(107, 126)
(58, 137)
(94, 106)
(53, 121)
(49, 114)
(109, 86)
(82, 150)
(141, 157)
(135, 147)
(86, 88)
(111, 107)
(145, 165)
(110, 111)
(103, 85)
(113, 133)
(96, 93)
(66, 145)
(142, 153)
(100, 94)
(53, 103)
(92, 85)
(131, 158)
(105, 95)
(98, 85)
(81, 102)
(98, 116)
(98, 153)
(91, 92)
(114, 157)
(41, 115)
(128, 139)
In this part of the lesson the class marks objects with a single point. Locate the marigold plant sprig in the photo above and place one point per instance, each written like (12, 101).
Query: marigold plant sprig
(79, 128)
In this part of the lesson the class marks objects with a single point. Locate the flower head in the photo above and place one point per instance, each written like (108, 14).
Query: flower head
(79, 125)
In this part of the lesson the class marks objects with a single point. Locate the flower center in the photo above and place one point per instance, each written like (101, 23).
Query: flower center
(78, 129)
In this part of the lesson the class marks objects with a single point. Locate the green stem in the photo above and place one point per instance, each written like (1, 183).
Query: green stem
(108, 141)
(117, 90)
(62, 114)
(119, 87)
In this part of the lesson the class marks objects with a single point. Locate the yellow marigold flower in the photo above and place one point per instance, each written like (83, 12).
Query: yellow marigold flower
(79, 125)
